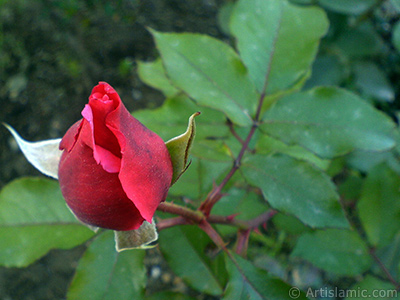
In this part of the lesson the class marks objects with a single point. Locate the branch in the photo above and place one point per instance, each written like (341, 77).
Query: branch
(233, 131)
(383, 268)
(215, 194)
(362, 234)
(242, 242)
(166, 223)
(187, 213)
(213, 234)
(189, 216)
(261, 219)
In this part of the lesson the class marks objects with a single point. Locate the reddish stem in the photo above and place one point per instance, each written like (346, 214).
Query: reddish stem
(187, 213)
(166, 223)
(213, 234)
(189, 216)
(383, 268)
(242, 242)
(362, 234)
(214, 196)
(261, 219)
(234, 133)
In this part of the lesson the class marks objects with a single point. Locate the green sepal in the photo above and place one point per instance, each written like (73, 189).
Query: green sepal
(178, 148)
(141, 238)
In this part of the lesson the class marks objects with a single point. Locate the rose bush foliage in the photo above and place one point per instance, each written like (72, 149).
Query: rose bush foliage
(303, 174)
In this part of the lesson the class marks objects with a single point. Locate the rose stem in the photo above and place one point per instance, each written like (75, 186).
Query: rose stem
(362, 234)
(215, 194)
(189, 216)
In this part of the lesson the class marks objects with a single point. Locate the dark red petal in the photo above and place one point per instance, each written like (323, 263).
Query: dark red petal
(146, 168)
(95, 196)
(70, 137)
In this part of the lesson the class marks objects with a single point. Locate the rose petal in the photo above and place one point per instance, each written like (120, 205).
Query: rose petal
(95, 196)
(146, 168)
(100, 134)
(69, 139)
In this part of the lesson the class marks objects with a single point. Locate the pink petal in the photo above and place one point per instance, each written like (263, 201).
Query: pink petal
(109, 161)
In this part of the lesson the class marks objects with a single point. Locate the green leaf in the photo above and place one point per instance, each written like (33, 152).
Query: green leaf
(365, 161)
(390, 257)
(371, 287)
(372, 82)
(104, 273)
(396, 4)
(35, 219)
(224, 16)
(302, 1)
(396, 35)
(268, 145)
(170, 120)
(359, 42)
(297, 188)
(196, 182)
(326, 70)
(350, 188)
(379, 205)
(289, 224)
(355, 7)
(330, 122)
(277, 41)
(210, 72)
(153, 74)
(341, 252)
(179, 147)
(184, 249)
(249, 282)
(245, 205)
(210, 154)
(168, 295)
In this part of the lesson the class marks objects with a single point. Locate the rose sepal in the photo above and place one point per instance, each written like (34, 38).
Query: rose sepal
(43, 155)
(141, 238)
(179, 147)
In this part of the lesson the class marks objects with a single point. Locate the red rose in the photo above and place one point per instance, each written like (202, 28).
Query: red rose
(114, 171)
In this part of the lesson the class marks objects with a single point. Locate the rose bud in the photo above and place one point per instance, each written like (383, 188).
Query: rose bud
(113, 171)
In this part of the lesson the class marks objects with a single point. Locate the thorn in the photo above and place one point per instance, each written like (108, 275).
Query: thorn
(232, 217)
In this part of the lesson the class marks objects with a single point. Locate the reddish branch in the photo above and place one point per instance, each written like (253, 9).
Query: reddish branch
(383, 268)
(216, 193)
(189, 216)
(202, 216)
(242, 242)
(362, 234)
(233, 131)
